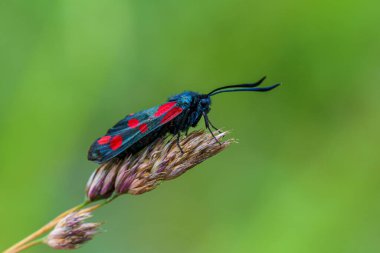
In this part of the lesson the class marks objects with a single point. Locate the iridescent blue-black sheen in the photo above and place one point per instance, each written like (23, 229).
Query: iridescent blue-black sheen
(176, 116)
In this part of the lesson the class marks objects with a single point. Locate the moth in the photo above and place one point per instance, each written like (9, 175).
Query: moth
(176, 116)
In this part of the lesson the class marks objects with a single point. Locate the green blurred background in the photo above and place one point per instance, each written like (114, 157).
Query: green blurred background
(305, 175)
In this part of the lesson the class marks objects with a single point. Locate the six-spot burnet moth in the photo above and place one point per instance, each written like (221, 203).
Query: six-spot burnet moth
(181, 112)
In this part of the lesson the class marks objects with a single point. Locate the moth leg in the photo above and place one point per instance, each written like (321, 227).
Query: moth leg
(208, 127)
(217, 129)
(183, 123)
(170, 137)
(178, 139)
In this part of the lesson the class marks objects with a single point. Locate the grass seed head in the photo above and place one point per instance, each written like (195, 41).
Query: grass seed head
(160, 161)
(71, 232)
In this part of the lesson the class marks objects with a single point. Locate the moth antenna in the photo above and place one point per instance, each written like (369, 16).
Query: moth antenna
(247, 85)
(259, 89)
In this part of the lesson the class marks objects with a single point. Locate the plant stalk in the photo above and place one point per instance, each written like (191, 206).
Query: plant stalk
(28, 240)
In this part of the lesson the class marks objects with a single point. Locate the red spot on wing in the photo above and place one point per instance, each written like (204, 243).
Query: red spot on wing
(132, 123)
(104, 140)
(143, 128)
(164, 108)
(116, 142)
(171, 114)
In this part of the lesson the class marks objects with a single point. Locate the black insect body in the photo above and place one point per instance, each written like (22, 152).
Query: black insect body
(181, 112)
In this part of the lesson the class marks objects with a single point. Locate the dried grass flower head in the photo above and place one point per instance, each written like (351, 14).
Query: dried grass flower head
(72, 232)
(162, 160)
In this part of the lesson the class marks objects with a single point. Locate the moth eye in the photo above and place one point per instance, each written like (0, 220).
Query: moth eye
(204, 102)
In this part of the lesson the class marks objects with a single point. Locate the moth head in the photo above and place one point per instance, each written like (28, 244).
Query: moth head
(204, 103)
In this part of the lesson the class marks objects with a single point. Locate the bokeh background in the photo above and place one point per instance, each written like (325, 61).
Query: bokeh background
(305, 175)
